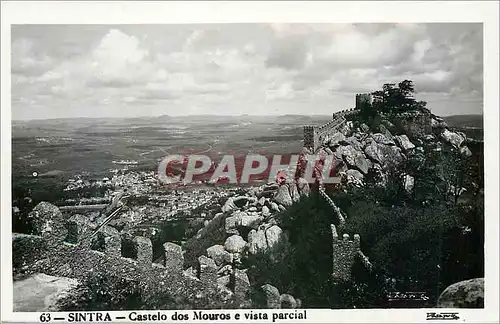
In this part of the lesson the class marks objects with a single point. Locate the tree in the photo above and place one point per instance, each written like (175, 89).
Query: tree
(454, 170)
(397, 98)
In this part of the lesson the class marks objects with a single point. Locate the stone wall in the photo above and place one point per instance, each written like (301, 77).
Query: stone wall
(53, 255)
(310, 138)
(345, 253)
(337, 214)
(363, 99)
(314, 136)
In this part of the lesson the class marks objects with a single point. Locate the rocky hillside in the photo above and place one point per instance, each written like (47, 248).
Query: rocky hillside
(381, 149)
(386, 149)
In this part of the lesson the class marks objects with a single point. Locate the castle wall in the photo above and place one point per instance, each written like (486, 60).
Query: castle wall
(345, 253)
(363, 99)
(78, 260)
(315, 136)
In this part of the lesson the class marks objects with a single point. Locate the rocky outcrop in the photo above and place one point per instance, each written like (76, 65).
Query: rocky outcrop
(241, 219)
(438, 122)
(257, 241)
(272, 295)
(48, 220)
(465, 151)
(273, 298)
(335, 139)
(219, 254)
(390, 155)
(383, 139)
(452, 138)
(265, 211)
(41, 292)
(404, 143)
(463, 294)
(372, 151)
(282, 196)
(263, 239)
(354, 158)
(385, 131)
(354, 177)
(273, 236)
(353, 141)
(235, 244)
(385, 155)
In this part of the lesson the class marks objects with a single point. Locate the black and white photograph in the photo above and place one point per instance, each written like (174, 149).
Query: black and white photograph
(247, 166)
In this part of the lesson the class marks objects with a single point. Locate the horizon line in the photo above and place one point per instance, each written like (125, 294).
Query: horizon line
(203, 115)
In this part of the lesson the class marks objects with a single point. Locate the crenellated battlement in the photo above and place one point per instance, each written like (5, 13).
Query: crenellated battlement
(337, 213)
(315, 136)
(363, 99)
(345, 253)
(71, 252)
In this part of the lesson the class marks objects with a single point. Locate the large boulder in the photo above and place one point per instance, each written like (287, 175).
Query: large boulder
(353, 141)
(272, 296)
(41, 292)
(263, 239)
(250, 221)
(224, 280)
(463, 294)
(303, 186)
(464, 150)
(282, 196)
(383, 139)
(354, 158)
(48, 222)
(372, 151)
(241, 219)
(452, 138)
(404, 142)
(354, 177)
(274, 206)
(385, 155)
(219, 254)
(232, 223)
(273, 236)
(234, 203)
(235, 244)
(390, 155)
(438, 122)
(257, 241)
(287, 301)
(335, 139)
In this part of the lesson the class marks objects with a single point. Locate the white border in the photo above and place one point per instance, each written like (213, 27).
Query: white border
(41, 12)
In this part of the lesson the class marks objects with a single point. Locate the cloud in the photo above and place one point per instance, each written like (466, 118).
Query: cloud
(26, 61)
(235, 69)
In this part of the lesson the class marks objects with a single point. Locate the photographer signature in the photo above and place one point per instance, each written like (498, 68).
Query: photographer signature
(396, 295)
(442, 316)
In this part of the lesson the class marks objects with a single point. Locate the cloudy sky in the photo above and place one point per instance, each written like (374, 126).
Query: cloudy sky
(232, 69)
